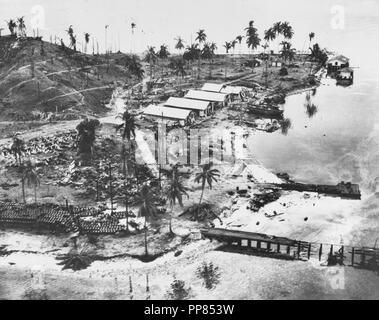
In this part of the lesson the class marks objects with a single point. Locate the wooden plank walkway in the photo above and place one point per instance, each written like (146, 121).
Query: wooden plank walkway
(330, 254)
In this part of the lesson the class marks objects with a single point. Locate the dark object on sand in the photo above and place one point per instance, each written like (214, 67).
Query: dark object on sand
(266, 111)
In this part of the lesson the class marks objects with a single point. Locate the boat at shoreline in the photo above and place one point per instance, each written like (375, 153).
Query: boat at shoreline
(266, 111)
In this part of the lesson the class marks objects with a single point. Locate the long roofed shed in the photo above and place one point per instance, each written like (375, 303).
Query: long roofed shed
(167, 112)
(183, 103)
(207, 96)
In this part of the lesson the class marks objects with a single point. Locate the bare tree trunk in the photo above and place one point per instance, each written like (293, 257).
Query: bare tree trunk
(23, 189)
(146, 252)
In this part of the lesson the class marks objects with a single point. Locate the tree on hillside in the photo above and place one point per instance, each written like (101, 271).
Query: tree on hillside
(151, 59)
(12, 25)
(70, 33)
(146, 208)
(31, 177)
(86, 136)
(134, 65)
(86, 41)
(21, 27)
(311, 37)
(17, 149)
(192, 53)
(252, 37)
(178, 66)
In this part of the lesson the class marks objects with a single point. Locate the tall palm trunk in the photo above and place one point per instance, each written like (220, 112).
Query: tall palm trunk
(35, 193)
(23, 189)
(201, 199)
(146, 252)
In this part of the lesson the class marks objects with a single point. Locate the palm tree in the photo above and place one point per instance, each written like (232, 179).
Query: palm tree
(311, 37)
(174, 191)
(287, 51)
(270, 35)
(151, 58)
(70, 33)
(135, 67)
(253, 40)
(31, 177)
(239, 39)
(178, 65)
(201, 38)
(128, 129)
(17, 149)
(192, 53)
(147, 208)
(278, 29)
(12, 25)
(86, 40)
(21, 27)
(163, 52)
(227, 46)
(206, 176)
(287, 30)
(179, 44)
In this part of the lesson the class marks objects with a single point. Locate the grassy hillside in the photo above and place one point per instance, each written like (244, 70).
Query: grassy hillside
(38, 77)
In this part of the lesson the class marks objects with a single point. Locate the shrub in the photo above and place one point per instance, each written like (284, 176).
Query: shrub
(210, 275)
(178, 290)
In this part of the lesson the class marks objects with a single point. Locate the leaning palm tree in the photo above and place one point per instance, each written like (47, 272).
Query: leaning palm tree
(174, 191)
(206, 176)
(31, 177)
(146, 208)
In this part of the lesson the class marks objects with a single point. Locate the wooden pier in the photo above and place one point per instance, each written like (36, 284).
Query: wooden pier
(272, 246)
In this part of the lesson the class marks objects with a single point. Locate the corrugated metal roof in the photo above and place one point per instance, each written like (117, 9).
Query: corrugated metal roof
(213, 87)
(167, 112)
(232, 90)
(206, 96)
(187, 104)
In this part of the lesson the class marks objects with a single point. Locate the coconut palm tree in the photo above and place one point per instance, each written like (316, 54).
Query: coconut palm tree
(12, 25)
(227, 46)
(21, 27)
(178, 66)
(179, 44)
(311, 37)
(163, 52)
(270, 35)
(151, 58)
(146, 208)
(287, 51)
(86, 41)
(192, 53)
(174, 192)
(239, 39)
(287, 30)
(252, 37)
(134, 65)
(201, 37)
(128, 129)
(31, 177)
(206, 176)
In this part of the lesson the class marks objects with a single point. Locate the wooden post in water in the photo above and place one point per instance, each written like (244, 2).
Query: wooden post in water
(298, 249)
(352, 256)
(309, 251)
(320, 253)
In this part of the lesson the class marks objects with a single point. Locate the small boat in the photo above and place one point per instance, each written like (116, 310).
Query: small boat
(345, 77)
(265, 111)
(343, 190)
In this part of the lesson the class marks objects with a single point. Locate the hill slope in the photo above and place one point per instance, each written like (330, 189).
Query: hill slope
(38, 77)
